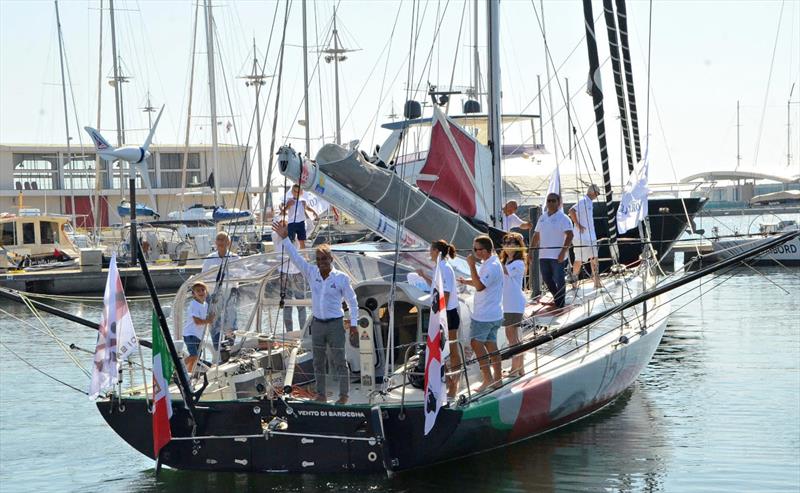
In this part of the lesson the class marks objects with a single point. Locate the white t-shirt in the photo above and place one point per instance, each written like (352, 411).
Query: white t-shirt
(449, 283)
(199, 310)
(512, 221)
(297, 212)
(551, 229)
(213, 260)
(513, 297)
(488, 306)
(584, 211)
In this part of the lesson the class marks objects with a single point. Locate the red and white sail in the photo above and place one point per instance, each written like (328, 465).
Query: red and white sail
(437, 350)
(457, 170)
(116, 339)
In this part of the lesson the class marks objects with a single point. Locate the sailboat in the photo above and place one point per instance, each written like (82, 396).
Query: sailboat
(252, 411)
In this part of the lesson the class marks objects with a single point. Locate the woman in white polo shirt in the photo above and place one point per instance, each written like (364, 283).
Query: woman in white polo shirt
(513, 260)
(440, 251)
(487, 312)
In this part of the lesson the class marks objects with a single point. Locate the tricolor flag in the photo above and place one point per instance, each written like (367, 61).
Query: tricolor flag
(436, 352)
(633, 204)
(162, 405)
(553, 187)
(116, 339)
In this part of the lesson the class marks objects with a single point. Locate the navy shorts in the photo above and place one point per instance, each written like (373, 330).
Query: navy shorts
(297, 230)
(453, 319)
(192, 345)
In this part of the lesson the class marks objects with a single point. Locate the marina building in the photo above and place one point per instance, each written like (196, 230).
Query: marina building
(52, 180)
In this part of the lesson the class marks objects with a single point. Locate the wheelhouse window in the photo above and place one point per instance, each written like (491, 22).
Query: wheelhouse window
(8, 234)
(48, 232)
(28, 233)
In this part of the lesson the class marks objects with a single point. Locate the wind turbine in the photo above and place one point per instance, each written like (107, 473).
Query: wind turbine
(135, 156)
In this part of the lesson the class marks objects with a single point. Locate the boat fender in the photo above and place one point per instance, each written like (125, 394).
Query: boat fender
(623, 340)
(304, 440)
(241, 462)
(307, 464)
(372, 456)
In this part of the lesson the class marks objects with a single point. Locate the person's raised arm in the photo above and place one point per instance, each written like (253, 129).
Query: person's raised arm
(282, 231)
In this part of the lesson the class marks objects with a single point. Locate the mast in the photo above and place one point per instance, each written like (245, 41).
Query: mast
(305, 83)
(268, 185)
(66, 114)
(789, 129)
(539, 97)
(494, 139)
(569, 121)
(549, 86)
(476, 69)
(611, 28)
(336, 55)
(599, 116)
(256, 80)
(185, 163)
(336, 77)
(622, 21)
(738, 126)
(117, 96)
(98, 161)
(212, 96)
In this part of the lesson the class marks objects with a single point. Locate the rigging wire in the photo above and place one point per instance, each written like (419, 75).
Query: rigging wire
(766, 93)
(42, 371)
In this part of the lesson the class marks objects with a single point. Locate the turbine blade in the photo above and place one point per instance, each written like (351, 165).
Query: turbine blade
(153, 130)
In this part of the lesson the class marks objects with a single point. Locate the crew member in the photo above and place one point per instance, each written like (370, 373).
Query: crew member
(487, 312)
(585, 239)
(440, 251)
(328, 288)
(511, 219)
(224, 299)
(295, 207)
(553, 236)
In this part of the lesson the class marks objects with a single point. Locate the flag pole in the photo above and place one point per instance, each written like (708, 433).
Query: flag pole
(183, 378)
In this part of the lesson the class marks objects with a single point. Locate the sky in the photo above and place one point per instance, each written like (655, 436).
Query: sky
(705, 56)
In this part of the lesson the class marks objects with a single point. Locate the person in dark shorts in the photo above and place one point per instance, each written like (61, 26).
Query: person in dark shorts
(194, 327)
(440, 251)
(295, 208)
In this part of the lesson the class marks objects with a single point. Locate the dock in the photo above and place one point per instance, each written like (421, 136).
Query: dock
(166, 278)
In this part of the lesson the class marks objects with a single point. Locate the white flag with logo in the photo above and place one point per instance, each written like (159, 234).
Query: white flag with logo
(633, 204)
(436, 351)
(116, 339)
(553, 187)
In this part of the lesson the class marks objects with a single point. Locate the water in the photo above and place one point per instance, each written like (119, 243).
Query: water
(717, 409)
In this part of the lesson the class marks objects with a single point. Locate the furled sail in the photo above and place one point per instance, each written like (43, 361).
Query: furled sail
(457, 170)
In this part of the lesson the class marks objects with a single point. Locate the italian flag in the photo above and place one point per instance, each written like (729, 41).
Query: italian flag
(162, 372)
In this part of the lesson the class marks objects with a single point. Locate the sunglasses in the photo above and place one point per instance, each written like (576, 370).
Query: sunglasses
(552, 200)
(510, 242)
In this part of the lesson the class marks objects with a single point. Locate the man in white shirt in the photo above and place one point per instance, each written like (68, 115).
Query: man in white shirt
(328, 288)
(487, 311)
(511, 219)
(585, 239)
(553, 236)
(224, 300)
